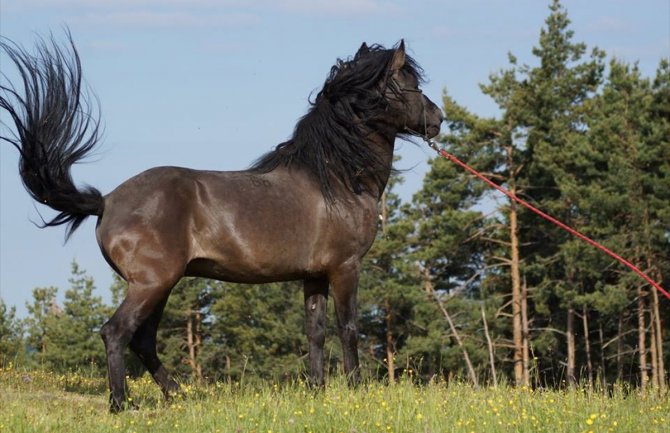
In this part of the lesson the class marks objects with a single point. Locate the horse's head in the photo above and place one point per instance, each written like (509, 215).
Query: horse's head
(348, 134)
(408, 109)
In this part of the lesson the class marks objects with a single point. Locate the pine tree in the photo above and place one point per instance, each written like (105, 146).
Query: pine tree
(72, 337)
(659, 199)
(539, 148)
(256, 330)
(388, 288)
(41, 313)
(596, 156)
(446, 251)
(624, 197)
(491, 146)
(549, 114)
(185, 326)
(12, 347)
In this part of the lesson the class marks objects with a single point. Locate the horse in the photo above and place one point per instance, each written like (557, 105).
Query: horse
(306, 210)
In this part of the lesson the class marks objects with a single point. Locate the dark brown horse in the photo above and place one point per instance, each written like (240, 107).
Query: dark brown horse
(305, 211)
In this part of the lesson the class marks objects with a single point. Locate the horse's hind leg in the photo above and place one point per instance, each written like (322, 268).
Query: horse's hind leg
(316, 298)
(143, 344)
(138, 306)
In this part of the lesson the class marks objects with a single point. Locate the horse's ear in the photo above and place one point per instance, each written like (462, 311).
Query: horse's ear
(398, 60)
(362, 50)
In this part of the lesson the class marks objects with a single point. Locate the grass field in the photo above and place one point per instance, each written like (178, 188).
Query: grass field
(38, 401)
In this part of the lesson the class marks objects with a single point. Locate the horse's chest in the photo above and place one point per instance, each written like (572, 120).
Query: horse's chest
(369, 224)
(362, 228)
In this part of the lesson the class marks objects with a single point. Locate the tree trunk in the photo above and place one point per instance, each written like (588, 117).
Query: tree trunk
(189, 342)
(642, 337)
(428, 284)
(384, 211)
(656, 328)
(659, 340)
(198, 343)
(619, 350)
(390, 345)
(654, 360)
(603, 365)
(494, 375)
(517, 326)
(192, 342)
(658, 334)
(525, 334)
(570, 334)
(587, 344)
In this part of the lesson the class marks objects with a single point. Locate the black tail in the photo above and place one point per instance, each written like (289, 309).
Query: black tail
(55, 128)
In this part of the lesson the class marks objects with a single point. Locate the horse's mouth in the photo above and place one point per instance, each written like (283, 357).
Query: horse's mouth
(432, 130)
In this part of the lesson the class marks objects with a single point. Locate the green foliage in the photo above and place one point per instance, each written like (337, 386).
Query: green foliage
(40, 312)
(446, 227)
(72, 337)
(448, 250)
(185, 325)
(12, 350)
(387, 288)
(256, 330)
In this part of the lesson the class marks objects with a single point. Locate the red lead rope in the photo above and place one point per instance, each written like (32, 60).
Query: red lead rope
(607, 251)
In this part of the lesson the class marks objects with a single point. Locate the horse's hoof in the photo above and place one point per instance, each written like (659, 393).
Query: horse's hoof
(126, 405)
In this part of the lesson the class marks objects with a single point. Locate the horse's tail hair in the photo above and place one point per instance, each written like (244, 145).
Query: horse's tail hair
(56, 127)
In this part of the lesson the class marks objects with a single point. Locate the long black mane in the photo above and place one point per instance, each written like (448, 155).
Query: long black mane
(331, 140)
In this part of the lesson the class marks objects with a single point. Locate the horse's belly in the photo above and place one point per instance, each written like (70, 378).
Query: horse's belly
(245, 272)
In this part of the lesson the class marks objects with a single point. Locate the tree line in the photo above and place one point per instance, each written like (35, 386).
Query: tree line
(460, 283)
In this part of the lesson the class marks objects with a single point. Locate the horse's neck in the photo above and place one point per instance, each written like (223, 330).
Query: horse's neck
(382, 144)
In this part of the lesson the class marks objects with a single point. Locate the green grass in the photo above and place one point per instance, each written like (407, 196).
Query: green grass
(38, 401)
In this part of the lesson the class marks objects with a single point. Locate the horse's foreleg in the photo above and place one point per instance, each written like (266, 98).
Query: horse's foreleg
(119, 330)
(143, 344)
(344, 286)
(316, 298)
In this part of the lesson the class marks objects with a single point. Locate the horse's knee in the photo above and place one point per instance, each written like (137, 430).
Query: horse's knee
(114, 333)
(107, 332)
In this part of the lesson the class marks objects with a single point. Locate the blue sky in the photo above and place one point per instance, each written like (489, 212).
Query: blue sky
(213, 84)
